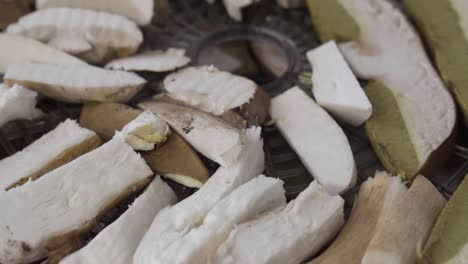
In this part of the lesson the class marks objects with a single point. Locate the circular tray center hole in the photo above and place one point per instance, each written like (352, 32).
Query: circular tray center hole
(250, 52)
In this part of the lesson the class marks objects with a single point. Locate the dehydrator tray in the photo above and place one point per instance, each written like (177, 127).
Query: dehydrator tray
(199, 28)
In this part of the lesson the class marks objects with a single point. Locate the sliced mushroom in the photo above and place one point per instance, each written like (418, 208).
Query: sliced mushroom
(234, 7)
(414, 115)
(68, 201)
(145, 131)
(335, 87)
(56, 148)
(174, 159)
(93, 36)
(448, 241)
(172, 223)
(447, 38)
(30, 50)
(375, 197)
(209, 135)
(140, 11)
(75, 83)
(232, 117)
(289, 235)
(153, 61)
(406, 225)
(317, 139)
(118, 241)
(16, 103)
(199, 244)
(217, 92)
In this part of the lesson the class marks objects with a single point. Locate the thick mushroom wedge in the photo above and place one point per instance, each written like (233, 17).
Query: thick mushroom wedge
(212, 137)
(414, 115)
(172, 223)
(16, 103)
(30, 50)
(444, 26)
(405, 226)
(153, 61)
(318, 140)
(289, 235)
(140, 11)
(60, 146)
(218, 92)
(448, 242)
(375, 196)
(75, 83)
(44, 214)
(232, 117)
(335, 87)
(199, 245)
(174, 158)
(117, 243)
(93, 36)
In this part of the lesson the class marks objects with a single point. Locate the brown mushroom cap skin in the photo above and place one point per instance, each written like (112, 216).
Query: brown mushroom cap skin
(175, 156)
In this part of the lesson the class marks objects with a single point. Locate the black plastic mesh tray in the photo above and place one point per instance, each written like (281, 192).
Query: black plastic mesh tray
(194, 25)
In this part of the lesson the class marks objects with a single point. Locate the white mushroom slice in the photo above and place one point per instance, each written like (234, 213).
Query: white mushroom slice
(145, 131)
(17, 103)
(16, 49)
(71, 43)
(199, 245)
(61, 145)
(448, 242)
(447, 41)
(414, 115)
(376, 196)
(335, 87)
(404, 228)
(316, 137)
(210, 89)
(67, 201)
(86, 33)
(234, 7)
(427, 108)
(174, 159)
(117, 243)
(154, 61)
(171, 224)
(75, 83)
(209, 135)
(288, 236)
(140, 11)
